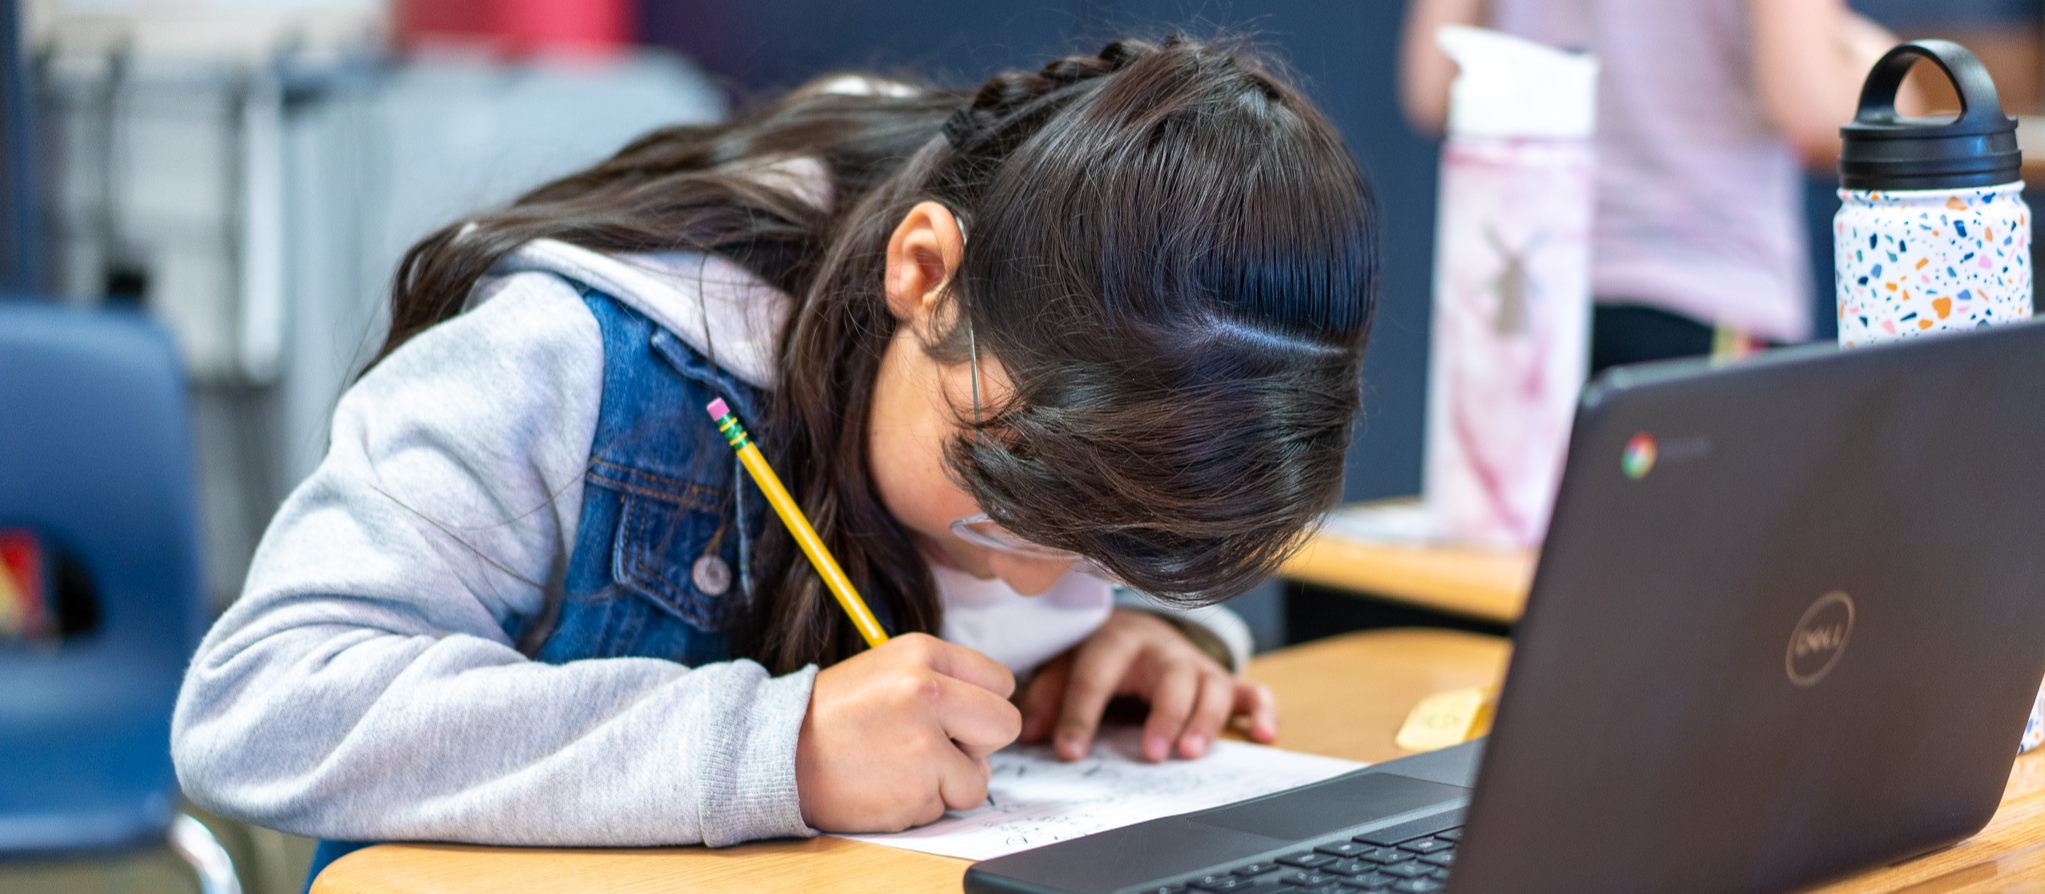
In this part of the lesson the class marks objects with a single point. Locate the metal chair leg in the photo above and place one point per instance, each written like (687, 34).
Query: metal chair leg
(194, 842)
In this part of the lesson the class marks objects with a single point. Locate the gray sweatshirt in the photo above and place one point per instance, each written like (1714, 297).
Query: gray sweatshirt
(363, 688)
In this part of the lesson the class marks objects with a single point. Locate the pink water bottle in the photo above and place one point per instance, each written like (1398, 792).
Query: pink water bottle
(1512, 291)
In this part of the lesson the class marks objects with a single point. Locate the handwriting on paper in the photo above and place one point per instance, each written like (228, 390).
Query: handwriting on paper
(1035, 799)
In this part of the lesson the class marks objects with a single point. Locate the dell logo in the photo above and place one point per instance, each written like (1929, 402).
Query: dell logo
(1819, 639)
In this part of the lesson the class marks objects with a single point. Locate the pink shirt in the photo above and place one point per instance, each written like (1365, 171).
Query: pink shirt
(1699, 199)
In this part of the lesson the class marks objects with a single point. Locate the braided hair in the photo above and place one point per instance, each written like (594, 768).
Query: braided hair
(1172, 257)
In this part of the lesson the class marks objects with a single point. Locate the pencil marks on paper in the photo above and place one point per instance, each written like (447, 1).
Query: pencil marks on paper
(1035, 799)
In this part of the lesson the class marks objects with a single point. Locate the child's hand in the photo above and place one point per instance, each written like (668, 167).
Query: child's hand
(897, 734)
(1134, 653)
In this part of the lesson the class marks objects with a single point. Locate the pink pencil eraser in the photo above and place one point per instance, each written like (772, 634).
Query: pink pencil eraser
(718, 410)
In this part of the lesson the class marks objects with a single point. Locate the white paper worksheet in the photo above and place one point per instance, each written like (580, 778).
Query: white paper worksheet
(1035, 799)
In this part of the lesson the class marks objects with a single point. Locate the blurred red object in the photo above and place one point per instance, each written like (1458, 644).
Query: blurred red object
(518, 27)
(24, 607)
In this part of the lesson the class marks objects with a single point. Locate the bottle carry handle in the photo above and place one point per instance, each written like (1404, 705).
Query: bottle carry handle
(1980, 109)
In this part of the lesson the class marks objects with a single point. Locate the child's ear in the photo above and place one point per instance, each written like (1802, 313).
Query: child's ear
(923, 254)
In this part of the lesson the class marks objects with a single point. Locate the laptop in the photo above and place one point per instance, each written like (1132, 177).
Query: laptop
(1788, 624)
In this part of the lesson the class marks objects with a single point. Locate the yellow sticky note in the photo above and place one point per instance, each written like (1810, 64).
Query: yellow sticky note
(1447, 718)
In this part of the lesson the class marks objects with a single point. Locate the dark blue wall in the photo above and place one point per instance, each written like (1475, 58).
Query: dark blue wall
(1344, 52)
(19, 251)
(1913, 15)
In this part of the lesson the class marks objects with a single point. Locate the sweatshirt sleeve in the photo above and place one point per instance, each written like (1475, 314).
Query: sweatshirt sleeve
(363, 687)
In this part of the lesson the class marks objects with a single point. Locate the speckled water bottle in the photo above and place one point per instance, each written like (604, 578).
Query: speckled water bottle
(1932, 234)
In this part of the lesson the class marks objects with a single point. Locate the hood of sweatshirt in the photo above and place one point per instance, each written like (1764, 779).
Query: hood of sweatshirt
(719, 308)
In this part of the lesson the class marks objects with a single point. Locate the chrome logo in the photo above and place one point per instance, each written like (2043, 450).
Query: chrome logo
(1638, 459)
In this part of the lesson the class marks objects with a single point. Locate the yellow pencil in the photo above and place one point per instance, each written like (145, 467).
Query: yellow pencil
(791, 515)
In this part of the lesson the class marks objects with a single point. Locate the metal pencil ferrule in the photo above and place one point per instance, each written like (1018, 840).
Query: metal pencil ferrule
(733, 432)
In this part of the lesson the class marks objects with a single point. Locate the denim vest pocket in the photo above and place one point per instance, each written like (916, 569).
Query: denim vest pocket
(666, 527)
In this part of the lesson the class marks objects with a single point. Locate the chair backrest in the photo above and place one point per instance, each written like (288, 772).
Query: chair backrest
(96, 460)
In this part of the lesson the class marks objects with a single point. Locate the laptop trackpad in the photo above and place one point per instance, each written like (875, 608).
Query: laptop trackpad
(1339, 803)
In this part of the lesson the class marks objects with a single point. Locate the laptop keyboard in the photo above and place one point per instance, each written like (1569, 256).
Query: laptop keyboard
(1367, 862)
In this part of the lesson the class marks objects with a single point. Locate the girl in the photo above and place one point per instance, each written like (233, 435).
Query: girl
(1100, 323)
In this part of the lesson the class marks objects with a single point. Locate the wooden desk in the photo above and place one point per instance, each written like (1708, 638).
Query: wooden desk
(1487, 584)
(1396, 668)
(1393, 669)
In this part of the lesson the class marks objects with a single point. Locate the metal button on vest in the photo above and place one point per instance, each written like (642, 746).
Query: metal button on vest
(711, 575)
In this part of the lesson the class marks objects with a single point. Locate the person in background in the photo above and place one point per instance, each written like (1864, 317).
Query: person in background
(1708, 110)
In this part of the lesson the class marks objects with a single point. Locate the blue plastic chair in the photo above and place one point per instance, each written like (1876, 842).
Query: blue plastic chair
(96, 460)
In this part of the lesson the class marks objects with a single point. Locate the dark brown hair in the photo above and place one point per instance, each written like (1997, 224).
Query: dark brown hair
(1171, 255)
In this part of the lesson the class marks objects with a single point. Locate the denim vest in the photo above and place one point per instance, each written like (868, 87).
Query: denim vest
(660, 564)
(659, 568)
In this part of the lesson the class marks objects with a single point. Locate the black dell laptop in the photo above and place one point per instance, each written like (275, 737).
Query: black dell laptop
(1788, 623)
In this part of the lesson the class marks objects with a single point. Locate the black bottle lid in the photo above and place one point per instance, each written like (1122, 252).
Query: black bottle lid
(1886, 151)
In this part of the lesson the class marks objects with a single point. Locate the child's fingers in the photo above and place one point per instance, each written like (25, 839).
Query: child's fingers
(1255, 701)
(1042, 698)
(890, 741)
(1217, 698)
(962, 781)
(975, 718)
(1097, 669)
(1171, 703)
(961, 663)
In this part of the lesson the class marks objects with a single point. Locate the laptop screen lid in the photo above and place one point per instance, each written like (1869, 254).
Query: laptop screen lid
(1787, 624)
